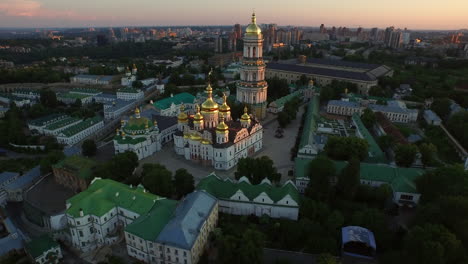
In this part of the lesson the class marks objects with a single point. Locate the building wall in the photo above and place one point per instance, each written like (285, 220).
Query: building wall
(69, 179)
(81, 135)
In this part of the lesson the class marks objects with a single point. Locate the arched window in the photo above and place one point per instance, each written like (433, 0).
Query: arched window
(254, 77)
(254, 52)
(248, 51)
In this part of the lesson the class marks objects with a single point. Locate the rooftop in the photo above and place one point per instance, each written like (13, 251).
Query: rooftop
(94, 77)
(190, 215)
(310, 123)
(104, 194)
(62, 123)
(225, 189)
(75, 129)
(322, 71)
(46, 119)
(40, 245)
(26, 179)
(375, 153)
(177, 99)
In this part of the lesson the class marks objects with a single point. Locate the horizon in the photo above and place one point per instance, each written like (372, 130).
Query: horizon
(416, 15)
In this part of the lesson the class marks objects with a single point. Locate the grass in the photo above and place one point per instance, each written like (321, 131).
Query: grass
(445, 150)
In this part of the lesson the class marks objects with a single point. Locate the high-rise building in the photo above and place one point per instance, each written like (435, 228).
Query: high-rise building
(396, 39)
(218, 43)
(388, 34)
(374, 34)
(252, 87)
(323, 29)
(238, 31)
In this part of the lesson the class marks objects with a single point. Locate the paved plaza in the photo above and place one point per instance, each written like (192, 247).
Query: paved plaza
(278, 149)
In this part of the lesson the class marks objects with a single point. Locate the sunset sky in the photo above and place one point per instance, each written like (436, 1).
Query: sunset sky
(413, 14)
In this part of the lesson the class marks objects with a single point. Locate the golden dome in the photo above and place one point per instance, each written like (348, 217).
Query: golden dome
(195, 137)
(198, 118)
(253, 28)
(186, 135)
(206, 142)
(224, 107)
(245, 116)
(182, 117)
(209, 105)
(137, 110)
(222, 127)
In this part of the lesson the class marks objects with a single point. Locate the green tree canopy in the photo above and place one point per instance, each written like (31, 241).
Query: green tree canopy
(184, 182)
(349, 178)
(344, 148)
(428, 152)
(89, 148)
(257, 169)
(405, 155)
(157, 179)
(48, 98)
(368, 118)
(321, 170)
(458, 126)
(441, 107)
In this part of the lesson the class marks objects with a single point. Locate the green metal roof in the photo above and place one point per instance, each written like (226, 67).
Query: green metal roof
(376, 155)
(80, 165)
(150, 225)
(138, 124)
(283, 100)
(75, 129)
(40, 245)
(128, 90)
(64, 122)
(104, 194)
(310, 123)
(165, 103)
(129, 140)
(85, 90)
(45, 119)
(400, 179)
(225, 189)
(357, 97)
(73, 96)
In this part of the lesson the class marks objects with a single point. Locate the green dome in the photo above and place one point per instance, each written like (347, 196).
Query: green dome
(135, 124)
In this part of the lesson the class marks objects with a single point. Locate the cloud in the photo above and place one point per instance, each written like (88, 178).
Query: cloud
(35, 9)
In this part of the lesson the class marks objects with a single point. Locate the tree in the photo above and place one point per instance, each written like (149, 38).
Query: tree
(368, 118)
(445, 181)
(257, 169)
(405, 155)
(137, 84)
(458, 125)
(321, 170)
(283, 119)
(184, 182)
(433, 244)
(441, 107)
(157, 179)
(344, 148)
(349, 178)
(48, 98)
(428, 151)
(119, 168)
(89, 148)
(385, 141)
(52, 158)
(326, 258)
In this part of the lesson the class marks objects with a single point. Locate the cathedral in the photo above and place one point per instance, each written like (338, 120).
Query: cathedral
(252, 87)
(212, 138)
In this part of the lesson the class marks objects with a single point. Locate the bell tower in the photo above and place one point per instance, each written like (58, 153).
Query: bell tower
(252, 87)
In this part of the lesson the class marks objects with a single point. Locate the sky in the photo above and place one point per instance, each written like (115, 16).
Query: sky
(412, 14)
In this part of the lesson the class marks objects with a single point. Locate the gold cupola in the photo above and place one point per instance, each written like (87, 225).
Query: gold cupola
(198, 117)
(253, 28)
(222, 127)
(224, 107)
(245, 116)
(209, 106)
(182, 117)
(137, 112)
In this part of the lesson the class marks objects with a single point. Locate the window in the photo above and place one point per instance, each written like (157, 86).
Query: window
(176, 252)
(406, 197)
(81, 233)
(78, 222)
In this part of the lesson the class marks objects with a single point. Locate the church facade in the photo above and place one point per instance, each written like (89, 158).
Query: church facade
(252, 87)
(212, 138)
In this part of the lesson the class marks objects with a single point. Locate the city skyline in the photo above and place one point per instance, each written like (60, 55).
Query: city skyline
(418, 14)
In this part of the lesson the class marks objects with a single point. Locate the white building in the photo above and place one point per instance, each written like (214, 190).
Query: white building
(195, 217)
(170, 106)
(129, 93)
(243, 198)
(432, 118)
(76, 133)
(44, 250)
(130, 76)
(27, 93)
(212, 138)
(40, 123)
(395, 111)
(116, 108)
(157, 230)
(55, 128)
(92, 79)
(144, 133)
